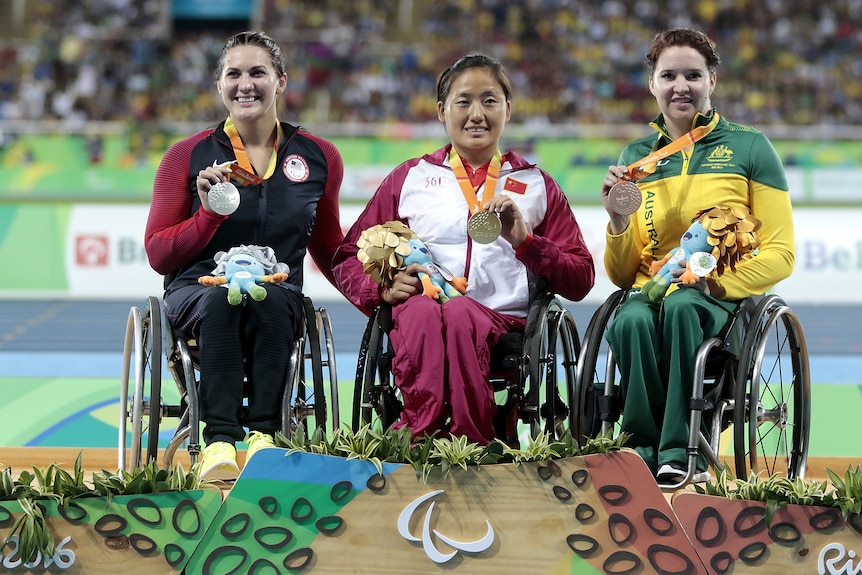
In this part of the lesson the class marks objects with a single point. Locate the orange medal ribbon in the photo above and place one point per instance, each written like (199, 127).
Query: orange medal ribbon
(244, 172)
(464, 180)
(646, 166)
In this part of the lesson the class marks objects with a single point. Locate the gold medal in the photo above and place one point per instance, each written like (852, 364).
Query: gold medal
(223, 198)
(484, 227)
(625, 197)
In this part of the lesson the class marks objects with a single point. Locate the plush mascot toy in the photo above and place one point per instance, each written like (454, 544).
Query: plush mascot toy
(717, 238)
(386, 248)
(243, 269)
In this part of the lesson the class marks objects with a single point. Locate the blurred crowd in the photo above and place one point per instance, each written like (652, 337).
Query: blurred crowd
(572, 62)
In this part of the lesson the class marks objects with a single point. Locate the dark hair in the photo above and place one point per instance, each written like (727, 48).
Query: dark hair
(251, 38)
(444, 82)
(682, 37)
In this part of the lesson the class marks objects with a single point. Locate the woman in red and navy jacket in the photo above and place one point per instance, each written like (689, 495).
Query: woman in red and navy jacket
(288, 182)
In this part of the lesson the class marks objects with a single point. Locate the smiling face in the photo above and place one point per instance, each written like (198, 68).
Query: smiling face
(682, 85)
(249, 84)
(475, 112)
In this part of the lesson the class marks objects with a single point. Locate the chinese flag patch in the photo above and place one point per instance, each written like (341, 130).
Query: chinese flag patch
(515, 186)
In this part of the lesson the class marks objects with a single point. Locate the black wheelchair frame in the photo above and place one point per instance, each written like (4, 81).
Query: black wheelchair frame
(754, 377)
(521, 367)
(149, 342)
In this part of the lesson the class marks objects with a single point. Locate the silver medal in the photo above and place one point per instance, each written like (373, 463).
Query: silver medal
(224, 198)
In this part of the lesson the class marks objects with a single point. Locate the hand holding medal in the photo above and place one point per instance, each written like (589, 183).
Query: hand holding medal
(222, 197)
(625, 196)
(483, 226)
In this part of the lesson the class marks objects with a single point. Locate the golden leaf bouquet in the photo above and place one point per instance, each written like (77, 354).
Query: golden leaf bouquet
(732, 234)
(382, 249)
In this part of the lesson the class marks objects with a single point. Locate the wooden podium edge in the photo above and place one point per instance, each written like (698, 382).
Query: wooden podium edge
(99, 458)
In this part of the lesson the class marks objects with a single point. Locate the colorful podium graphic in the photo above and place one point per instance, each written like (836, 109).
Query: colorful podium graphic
(139, 534)
(305, 513)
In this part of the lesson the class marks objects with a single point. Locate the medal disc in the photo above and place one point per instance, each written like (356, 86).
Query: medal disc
(224, 198)
(701, 263)
(625, 197)
(484, 227)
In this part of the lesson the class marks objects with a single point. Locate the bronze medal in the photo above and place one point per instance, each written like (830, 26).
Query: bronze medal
(625, 197)
(224, 198)
(484, 227)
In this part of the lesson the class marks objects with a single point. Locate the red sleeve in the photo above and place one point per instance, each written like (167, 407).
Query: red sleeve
(327, 235)
(351, 280)
(173, 238)
(557, 250)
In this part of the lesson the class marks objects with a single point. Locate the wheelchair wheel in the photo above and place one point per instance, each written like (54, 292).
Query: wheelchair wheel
(306, 402)
(142, 408)
(597, 375)
(552, 347)
(772, 408)
(375, 400)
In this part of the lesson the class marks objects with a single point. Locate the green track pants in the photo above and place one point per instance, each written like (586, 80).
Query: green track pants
(654, 345)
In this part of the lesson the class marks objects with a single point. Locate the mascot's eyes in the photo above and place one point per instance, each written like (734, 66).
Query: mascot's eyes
(686, 236)
(242, 262)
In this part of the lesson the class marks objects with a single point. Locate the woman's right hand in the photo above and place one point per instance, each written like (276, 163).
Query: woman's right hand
(405, 284)
(207, 178)
(618, 223)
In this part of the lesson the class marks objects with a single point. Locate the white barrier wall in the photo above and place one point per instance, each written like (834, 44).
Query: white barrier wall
(105, 258)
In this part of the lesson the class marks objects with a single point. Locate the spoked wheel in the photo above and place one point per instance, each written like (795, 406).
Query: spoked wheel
(596, 371)
(375, 398)
(551, 348)
(772, 408)
(305, 402)
(143, 353)
(334, 411)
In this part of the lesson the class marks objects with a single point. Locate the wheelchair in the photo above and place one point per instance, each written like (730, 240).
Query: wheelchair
(149, 345)
(752, 380)
(533, 374)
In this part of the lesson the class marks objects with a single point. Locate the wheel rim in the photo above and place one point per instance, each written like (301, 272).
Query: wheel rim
(154, 362)
(588, 367)
(777, 403)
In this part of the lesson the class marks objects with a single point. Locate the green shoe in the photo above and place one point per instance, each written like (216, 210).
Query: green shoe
(218, 462)
(256, 441)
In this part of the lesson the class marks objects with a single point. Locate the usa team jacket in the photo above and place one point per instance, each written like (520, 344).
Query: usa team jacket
(734, 165)
(294, 210)
(424, 194)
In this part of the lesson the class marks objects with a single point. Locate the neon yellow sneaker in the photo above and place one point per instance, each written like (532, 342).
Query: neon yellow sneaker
(218, 462)
(256, 441)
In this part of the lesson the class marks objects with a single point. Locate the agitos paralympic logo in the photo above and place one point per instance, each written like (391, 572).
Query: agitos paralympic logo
(427, 541)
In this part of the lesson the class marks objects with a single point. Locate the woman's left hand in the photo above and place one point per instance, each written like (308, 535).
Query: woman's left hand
(514, 229)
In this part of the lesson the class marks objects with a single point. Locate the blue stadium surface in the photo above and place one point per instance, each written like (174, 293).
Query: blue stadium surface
(82, 338)
(99, 326)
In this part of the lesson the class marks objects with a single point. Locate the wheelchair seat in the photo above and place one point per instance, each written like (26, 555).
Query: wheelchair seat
(150, 348)
(533, 374)
(753, 378)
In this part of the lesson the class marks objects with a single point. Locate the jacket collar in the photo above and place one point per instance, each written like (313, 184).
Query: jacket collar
(511, 160)
(659, 125)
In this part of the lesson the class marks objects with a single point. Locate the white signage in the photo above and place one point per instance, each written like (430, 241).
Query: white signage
(105, 255)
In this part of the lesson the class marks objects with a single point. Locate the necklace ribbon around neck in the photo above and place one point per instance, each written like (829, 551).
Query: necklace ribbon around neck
(244, 172)
(646, 166)
(464, 180)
